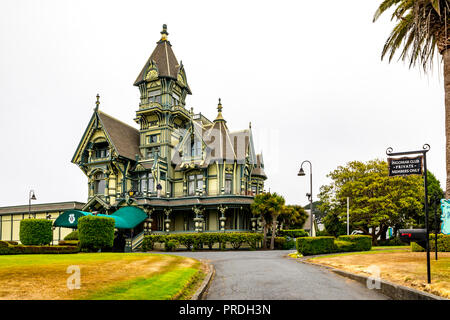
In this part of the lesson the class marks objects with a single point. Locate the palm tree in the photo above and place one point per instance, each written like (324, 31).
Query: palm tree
(275, 205)
(260, 208)
(422, 28)
(268, 206)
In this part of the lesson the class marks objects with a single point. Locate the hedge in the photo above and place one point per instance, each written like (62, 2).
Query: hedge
(68, 242)
(315, 245)
(36, 231)
(293, 233)
(21, 249)
(72, 236)
(358, 242)
(322, 245)
(96, 233)
(193, 241)
(443, 244)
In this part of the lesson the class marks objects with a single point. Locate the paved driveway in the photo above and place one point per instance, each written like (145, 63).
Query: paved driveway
(269, 275)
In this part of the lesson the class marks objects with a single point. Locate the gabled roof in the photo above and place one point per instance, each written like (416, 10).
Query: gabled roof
(124, 137)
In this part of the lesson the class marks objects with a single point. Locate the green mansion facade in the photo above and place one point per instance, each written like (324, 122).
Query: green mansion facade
(186, 172)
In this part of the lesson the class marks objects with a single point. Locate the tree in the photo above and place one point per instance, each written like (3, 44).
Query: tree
(292, 217)
(268, 206)
(260, 208)
(318, 214)
(377, 201)
(422, 28)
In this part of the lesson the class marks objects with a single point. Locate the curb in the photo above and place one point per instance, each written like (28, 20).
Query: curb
(389, 289)
(202, 291)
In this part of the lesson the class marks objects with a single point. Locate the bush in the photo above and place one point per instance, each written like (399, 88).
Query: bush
(358, 242)
(253, 239)
(315, 245)
(236, 239)
(197, 240)
(21, 249)
(443, 244)
(72, 236)
(293, 233)
(96, 233)
(68, 242)
(343, 246)
(36, 231)
(171, 245)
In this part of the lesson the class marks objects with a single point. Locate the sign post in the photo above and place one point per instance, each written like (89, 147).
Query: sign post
(415, 165)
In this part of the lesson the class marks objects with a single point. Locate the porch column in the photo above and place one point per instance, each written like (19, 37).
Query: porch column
(222, 218)
(148, 221)
(167, 212)
(198, 220)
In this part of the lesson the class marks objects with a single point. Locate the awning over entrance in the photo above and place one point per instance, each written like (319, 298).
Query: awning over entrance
(69, 218)
(127, 217)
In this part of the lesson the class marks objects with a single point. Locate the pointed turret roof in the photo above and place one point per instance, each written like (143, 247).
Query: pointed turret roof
(218, 138)
(164, 59)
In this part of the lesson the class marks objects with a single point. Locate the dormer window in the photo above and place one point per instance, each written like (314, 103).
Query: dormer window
(101, 150)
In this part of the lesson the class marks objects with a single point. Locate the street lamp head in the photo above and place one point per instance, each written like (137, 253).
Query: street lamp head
(33, 196)
(301, 173)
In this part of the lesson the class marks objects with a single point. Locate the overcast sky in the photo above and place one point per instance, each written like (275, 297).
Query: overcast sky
(307, 74)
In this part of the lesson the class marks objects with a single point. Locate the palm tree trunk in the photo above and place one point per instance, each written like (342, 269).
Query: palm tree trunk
(446, 58)
(264, 223)
(274, 230)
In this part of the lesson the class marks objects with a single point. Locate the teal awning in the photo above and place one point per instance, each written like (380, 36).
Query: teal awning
(127, 217)
(69, 218)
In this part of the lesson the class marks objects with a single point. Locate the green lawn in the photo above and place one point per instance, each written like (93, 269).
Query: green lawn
(104, 276)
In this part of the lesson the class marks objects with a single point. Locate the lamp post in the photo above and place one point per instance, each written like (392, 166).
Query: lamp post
(309, 195)
(31, 196)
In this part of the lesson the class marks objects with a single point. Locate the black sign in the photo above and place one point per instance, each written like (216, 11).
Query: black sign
(405, 166)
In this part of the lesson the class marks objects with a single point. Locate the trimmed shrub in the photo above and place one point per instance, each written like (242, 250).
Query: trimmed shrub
(359, 242)
(253, 239)
(315, 245)
(343, 246)
(171, 245)
(68, 242)
(72, 236)
(21, 249)
(236, 239)
(193, 241)
(293, 233)
(96, 233)
(443, 244)
(36, 231)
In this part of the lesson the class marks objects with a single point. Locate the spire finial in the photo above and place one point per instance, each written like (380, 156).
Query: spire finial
(97, 103)
(164, 32)
(219, 106)
(219, 114)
